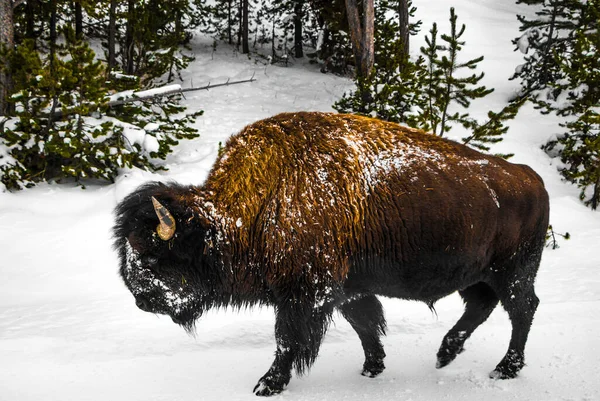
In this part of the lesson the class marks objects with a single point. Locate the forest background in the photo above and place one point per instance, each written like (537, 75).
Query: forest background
(73, 74)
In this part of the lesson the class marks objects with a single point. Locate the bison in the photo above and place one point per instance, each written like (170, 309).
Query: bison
(312, 212)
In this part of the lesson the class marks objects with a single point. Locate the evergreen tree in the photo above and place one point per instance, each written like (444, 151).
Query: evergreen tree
(561, 75)
(580, 152)
(291, 17)
(491, 131)
(221, 20)
(63, 129)
(155, 36)
(424, 92)
(444, 86)
(579, 86)
(329, 37)
(430, 114)
(391, 91)
(550, 33)
(445, 90)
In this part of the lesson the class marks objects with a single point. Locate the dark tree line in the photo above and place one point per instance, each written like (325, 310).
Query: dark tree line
(144, 45)
(289, 27)
(57, 124)
(146, 39)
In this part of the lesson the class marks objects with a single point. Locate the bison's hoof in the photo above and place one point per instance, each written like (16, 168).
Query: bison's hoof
(503, 373)
(264, 390)
(445, 356)
(269, 385)
(373, 369)
(500, 375)
(509, 367)
(452, 345)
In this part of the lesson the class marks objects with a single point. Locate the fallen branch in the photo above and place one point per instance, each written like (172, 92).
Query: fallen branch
(152, 94)
(175, 91)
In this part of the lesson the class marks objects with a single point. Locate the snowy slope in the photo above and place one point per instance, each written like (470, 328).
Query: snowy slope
(69, 330)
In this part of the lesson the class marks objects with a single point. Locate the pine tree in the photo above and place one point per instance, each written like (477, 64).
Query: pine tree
(153, 41)
(423, 92)
(542, 38)
(580, 154)
(391, 91)
(579, 86)
(221, 20)
(290, 19)
(430, 114)
(63, 129)
(491, 131)
(444, 86)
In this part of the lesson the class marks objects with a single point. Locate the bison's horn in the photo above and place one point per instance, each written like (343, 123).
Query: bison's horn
(166, 228)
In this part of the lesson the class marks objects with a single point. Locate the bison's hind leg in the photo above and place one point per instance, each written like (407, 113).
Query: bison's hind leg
(515, 287)
(521, 304)
(519, 300)
(480, 300)
(365, 315)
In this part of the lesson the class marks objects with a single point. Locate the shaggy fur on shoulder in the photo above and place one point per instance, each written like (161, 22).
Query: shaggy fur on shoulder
(309, 212)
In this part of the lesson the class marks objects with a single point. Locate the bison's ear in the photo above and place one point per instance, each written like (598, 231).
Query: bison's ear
(166, 227)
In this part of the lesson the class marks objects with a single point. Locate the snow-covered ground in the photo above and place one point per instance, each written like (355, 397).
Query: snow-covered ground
(69, 330)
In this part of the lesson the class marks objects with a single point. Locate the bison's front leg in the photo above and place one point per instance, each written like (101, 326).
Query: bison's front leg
(299, 331)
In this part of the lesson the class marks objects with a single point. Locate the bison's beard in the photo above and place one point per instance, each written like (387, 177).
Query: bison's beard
(164, 295)
(187, 320)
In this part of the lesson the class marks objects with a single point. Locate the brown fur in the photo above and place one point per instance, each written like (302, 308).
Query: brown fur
(311, 212)
(299, 226)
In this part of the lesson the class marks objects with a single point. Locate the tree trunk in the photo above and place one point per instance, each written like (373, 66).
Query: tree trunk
(128, 48)
(112, 34)
(240, 23)
(404, 32)
(545, 75)
(30, 20)
(78, 20)
(53, 37)
(362, 35)
(229, 22)
(7, 42)
(178, 41)
(273, 51)
(298, 15)
(595, 201)
(245, 45)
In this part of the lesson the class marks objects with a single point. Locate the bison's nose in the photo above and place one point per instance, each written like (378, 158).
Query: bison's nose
(143, 304)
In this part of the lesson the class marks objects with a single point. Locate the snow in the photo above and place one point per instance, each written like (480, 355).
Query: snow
(70, 330)
(120, 95)
(167, 89)
(523, 42)
(158, 91)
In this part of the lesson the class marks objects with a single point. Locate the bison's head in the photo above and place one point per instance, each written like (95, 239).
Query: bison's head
(161, 242)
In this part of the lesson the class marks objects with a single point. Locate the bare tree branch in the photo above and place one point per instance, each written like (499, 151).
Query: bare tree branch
(133, 98)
